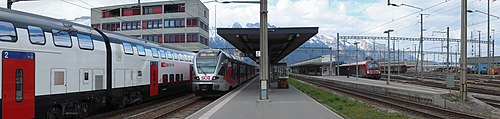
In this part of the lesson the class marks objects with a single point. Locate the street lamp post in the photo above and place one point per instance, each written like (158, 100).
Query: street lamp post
(388, 54)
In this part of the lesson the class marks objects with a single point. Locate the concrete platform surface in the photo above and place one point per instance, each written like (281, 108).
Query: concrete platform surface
(242, 103)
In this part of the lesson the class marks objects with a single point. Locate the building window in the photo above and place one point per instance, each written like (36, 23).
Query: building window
(131, 11)
(96, 26)
(176, 38)
(203, 40)
(153, 38)
(203, 25)
(111, 26)
(192, 22)
(205, 13)
(152, 10)
(175, 8)
(110, 13)
(152, 24)
(131, 25)
(192, 37)
(174, 23)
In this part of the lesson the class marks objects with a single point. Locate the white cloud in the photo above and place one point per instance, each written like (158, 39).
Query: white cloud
(331, 16)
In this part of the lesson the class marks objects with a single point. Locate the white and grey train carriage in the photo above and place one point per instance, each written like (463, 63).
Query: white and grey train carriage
(217, 72)
(54, 68)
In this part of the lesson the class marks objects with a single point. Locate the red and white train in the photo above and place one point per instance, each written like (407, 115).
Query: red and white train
(366, 69)
(218, 72)
(52, 68)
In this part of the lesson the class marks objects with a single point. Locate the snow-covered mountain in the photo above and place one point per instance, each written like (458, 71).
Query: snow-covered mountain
(314, 47)
(84, 20)
(317, 46)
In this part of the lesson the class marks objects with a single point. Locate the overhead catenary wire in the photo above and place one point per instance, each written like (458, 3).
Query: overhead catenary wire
(400, 18)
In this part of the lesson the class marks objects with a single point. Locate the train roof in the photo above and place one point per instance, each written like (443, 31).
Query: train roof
(362, 62)
(224, 53)
(25, 18)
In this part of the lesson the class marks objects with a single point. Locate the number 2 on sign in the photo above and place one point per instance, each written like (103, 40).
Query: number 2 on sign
(6, 54)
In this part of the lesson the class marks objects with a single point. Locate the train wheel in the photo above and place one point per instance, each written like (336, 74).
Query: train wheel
(54, 113)
(84, 107)
(140, 100)
(122, 104)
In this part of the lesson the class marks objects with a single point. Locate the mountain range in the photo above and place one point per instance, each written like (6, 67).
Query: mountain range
(318, 45)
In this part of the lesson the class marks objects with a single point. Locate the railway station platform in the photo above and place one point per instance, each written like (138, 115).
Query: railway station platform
(243, 103)
(409, 92)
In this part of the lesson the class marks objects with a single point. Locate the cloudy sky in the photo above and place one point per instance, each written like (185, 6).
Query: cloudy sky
(347, 17)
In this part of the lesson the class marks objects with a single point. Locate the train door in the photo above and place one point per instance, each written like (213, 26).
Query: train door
(153, 79)
(18, 85)
(191, 74)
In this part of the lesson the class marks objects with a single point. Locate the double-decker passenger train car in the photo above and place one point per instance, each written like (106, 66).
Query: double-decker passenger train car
(368, 69)
(53, 68)
(217, 72)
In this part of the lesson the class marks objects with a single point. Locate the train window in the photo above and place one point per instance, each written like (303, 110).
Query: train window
(162, 54)
(19, 85)
(59, 77)
(181, 58)
(7, 32)
(86, 76)
(61, 38)
(177, 77)
(154, 52)
(223, 69)
(169, 55)
(85, 42)
(128, 48)
(36, 35)
(171, 78)
(165, 78)
(140, 50)
(176, 57)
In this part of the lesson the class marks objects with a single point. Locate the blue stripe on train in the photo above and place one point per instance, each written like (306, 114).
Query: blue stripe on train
(18, 55)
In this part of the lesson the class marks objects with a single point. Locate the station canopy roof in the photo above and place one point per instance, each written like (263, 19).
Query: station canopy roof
(282, 41)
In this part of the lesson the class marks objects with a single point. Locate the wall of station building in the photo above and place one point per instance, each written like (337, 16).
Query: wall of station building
(183, 23)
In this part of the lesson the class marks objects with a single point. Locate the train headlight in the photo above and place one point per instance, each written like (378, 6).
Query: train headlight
(197, 78)
(367, 71)
(215, 78)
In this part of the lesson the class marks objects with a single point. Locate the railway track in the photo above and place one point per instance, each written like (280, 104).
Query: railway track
(180, 107)
(473, 86)
(418, 109)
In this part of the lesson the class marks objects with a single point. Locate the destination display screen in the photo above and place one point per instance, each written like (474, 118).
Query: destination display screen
(207, 54)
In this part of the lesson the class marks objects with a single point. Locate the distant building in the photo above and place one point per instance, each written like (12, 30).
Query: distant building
(182, 23)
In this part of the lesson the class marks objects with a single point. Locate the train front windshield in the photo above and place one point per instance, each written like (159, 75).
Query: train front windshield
(373, 66)
(206, 64)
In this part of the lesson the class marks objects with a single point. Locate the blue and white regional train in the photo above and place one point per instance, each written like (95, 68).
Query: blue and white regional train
(217, 72)
(52, 68)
